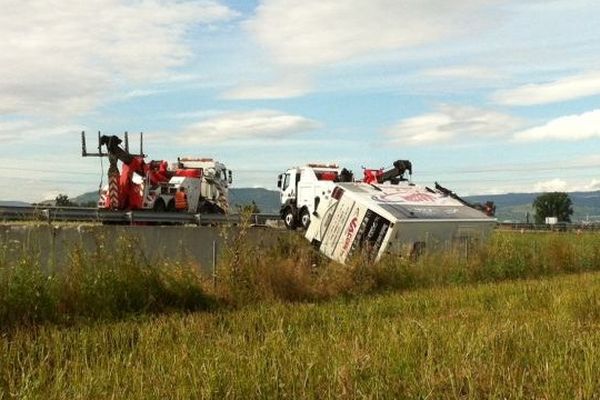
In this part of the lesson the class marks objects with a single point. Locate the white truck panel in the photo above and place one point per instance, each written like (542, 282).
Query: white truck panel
(392, 218)
(307, 192)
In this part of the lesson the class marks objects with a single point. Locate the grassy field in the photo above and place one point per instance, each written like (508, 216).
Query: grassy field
(525, 339)
(517, 318)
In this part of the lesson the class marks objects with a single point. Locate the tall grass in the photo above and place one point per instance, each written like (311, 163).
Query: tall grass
(292, 271)
(115, 279)
(110, 281)
(521, 339)
(421, 332)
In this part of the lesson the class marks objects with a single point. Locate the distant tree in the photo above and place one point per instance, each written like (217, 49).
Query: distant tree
(62, 200)
(251, 208)
(554, 204)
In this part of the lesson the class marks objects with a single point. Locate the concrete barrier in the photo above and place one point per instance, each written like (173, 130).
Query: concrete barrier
(53, 244)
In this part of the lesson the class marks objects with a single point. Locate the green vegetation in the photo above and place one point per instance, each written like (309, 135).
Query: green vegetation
(100, 284)
(62, 200)
(291, 271)
(250, 208)
(554, 204)
(284, 322)
(526, 339)
(111, 283)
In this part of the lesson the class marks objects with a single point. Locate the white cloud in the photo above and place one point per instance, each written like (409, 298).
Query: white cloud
(53, 168)
(552, 185)
(570, 127)
(560, 185)
(201, 114)
(568, 88)
(285, 88)
(316, 32)
(302, 37)
(470, 72)
(11, 130)
(259, 124)
(593, 185)
(64, 58)
(453, 123)
(142, 93)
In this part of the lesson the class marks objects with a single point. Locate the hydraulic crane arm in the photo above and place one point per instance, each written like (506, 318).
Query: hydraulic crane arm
(123, 192)
(112, 145)
(450, 193)
(127, 194)
(393, 175)
(488, 208)
(396, 173)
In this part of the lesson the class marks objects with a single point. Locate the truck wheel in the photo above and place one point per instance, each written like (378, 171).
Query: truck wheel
(305, 218)
(288, 219)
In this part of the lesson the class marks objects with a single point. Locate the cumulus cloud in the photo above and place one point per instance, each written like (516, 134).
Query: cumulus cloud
(593, 185)
(65, 57)
(307, 35)
(560, 185)
(245, 125)
(552, 185)
(315, 32)
(568, 88)
(570, 127)
(450, 123)
(11, 130)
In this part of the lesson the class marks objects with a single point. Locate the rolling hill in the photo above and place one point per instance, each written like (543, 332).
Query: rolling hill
(515, 206)
(10, 203)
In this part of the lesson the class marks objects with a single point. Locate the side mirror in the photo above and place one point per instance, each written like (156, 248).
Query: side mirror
(279, 179)
(229, 177)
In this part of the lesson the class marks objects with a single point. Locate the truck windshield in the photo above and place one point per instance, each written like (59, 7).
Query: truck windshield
(286, 181)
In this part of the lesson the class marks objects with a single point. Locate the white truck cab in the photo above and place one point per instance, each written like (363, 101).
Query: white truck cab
(302, 188)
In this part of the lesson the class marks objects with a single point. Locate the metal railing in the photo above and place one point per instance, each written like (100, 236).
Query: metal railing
(558, 227)
(79, 214)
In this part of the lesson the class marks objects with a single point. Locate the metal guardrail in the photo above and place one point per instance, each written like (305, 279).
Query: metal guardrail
(76, 214)
(559, 227)
(81, 214)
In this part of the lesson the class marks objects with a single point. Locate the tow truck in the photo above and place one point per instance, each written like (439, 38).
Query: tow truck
(142, 185)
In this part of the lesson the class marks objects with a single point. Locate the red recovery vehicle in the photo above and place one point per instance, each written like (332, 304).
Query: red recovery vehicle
(128, 194)
(393, 175)
(155, 185)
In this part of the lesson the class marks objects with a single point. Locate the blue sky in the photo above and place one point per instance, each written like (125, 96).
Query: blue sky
(484, 96)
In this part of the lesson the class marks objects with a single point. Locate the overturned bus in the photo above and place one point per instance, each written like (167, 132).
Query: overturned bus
(402, 219)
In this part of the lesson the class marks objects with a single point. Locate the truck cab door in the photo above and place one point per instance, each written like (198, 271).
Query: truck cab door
(288, 187)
